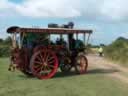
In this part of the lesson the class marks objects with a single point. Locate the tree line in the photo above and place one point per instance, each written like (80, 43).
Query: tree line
(118, 51)
(5, 45)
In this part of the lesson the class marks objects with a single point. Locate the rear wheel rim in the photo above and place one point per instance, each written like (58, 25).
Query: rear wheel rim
(44, 64)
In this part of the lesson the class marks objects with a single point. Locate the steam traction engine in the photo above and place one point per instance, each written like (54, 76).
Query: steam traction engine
(34, 53)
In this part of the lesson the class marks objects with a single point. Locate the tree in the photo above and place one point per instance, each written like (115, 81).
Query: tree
(1, 40)
(7, 41)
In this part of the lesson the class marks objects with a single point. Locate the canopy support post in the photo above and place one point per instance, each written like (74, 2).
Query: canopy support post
(20, 44)
(61, 36)
(14, 40)
(76, 36)
(48, 38)
(84, 39)
(88, 39)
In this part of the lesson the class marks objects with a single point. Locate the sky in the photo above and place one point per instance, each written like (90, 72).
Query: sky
(107, 18)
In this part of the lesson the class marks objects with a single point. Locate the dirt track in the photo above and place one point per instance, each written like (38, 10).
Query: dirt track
(101, 65)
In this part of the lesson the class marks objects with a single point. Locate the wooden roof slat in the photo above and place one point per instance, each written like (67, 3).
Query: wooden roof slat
(47, 30)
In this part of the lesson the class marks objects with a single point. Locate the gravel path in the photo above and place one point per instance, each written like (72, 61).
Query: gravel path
(101, 65)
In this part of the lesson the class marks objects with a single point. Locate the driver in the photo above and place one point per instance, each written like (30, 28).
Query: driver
(79, 45)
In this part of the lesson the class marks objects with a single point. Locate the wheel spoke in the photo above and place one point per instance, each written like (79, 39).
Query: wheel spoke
(52, 66)
(44, 68)
(48, 68)
(39, 58)
(51, 58)
(37, 62)
(37, 66)
(51, 62)
(46, 58)
(38, 70)
(42, 59)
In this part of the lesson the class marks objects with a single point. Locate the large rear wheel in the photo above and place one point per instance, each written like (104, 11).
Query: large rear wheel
(44, 64)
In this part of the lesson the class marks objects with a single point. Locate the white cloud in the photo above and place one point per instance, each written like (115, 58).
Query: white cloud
(124, 34)
(48, 8)
(6, 9)
(113, 10)
(3, 4)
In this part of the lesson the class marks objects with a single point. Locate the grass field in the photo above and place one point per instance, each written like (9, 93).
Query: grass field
(91, 84)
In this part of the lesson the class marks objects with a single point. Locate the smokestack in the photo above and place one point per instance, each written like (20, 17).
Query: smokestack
(71, 25)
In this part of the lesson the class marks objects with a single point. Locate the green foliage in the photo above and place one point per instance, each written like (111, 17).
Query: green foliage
(1, 40)
(118, 50)
(7, 41)
(5, 47)
(4, 51)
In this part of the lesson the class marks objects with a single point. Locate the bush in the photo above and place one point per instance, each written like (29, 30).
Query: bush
(118, 50)
(5, 47)
(4, 51)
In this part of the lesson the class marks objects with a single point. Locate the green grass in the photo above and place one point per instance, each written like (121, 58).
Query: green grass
(91, 84)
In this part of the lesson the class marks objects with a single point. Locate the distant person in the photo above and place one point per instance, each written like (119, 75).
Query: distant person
(100, 51)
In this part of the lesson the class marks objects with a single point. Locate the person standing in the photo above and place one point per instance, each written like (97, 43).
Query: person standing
(100, 51)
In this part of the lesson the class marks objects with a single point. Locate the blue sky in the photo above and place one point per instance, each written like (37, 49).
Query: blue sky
(107, 18)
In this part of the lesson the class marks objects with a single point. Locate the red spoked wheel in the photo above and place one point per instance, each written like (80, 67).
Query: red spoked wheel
(81, 64)
(44, 64)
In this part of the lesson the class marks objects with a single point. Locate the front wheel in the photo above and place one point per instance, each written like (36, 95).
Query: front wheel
(81, 64)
